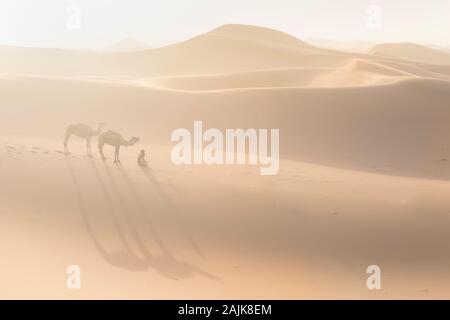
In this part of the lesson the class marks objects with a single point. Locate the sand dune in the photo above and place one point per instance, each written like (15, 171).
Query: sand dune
(412, 52)
(263, 35)
(226, 49)
(359, 72)
(355, 72)
(161, 234)
(390, 126)
(364, 174)
(350, 46)
(288, 77)
(126, 45)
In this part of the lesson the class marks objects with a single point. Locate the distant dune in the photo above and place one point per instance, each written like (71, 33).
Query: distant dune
(225, 49)
(364, 173)
(268, 78)
(354, 72)
(126, 45)
(349, 46)
(412, 52)
(345, 103)
(260, 34)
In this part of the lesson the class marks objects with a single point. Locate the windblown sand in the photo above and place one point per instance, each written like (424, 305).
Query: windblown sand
(364, 172)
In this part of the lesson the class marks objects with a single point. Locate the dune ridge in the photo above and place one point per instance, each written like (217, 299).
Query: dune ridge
(364, 173)
(412, 52)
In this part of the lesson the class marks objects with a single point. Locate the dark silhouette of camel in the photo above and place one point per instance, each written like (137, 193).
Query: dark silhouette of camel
(116, 140)
(83, 131)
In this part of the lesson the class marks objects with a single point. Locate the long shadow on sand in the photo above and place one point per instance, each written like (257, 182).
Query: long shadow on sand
(120, 197)
(124, 258)
(166, 264)
(171, 208)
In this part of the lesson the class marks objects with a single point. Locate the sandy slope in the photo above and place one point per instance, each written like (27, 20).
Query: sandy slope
(348, 46)
(400, 127)
(271, 78)
(363, 177)
(225, 49)
(412, 52)
(127, 45)
(179, 232)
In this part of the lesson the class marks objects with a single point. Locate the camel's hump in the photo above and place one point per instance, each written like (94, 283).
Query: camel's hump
(112, 134)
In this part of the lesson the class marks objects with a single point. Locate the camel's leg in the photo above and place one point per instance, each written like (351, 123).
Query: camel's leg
(66, 140)
(116, 154)
(88, 146)
(100, 148)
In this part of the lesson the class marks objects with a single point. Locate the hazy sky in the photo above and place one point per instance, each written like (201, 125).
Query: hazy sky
(54, 23)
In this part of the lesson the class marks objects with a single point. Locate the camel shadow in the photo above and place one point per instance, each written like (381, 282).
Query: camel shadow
(140, 205)
(165, 264)
(124, 258)
(148, 173)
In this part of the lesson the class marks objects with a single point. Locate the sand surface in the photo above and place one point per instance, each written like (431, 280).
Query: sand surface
(364, 175)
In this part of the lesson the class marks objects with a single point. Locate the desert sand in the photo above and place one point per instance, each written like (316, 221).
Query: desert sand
(412, 52)
(364, 173)
(349, 46)
(127, 45)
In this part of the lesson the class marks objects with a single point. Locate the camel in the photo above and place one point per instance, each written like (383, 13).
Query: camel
(116, 140)
(83, 131)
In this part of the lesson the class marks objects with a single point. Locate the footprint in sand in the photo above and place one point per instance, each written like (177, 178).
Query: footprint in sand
(334, 212)
(21, 149)
(39, 150)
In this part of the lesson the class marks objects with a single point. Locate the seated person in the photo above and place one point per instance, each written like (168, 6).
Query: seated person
(141, 159)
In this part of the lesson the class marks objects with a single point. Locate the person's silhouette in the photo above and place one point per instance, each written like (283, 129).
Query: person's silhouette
(141, 159)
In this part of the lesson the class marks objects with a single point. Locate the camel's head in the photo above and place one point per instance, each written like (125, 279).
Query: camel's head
(133, 141)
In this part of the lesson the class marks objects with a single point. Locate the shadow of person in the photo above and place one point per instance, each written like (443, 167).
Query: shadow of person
(148, 173)
(119, 196)
(165, 264)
